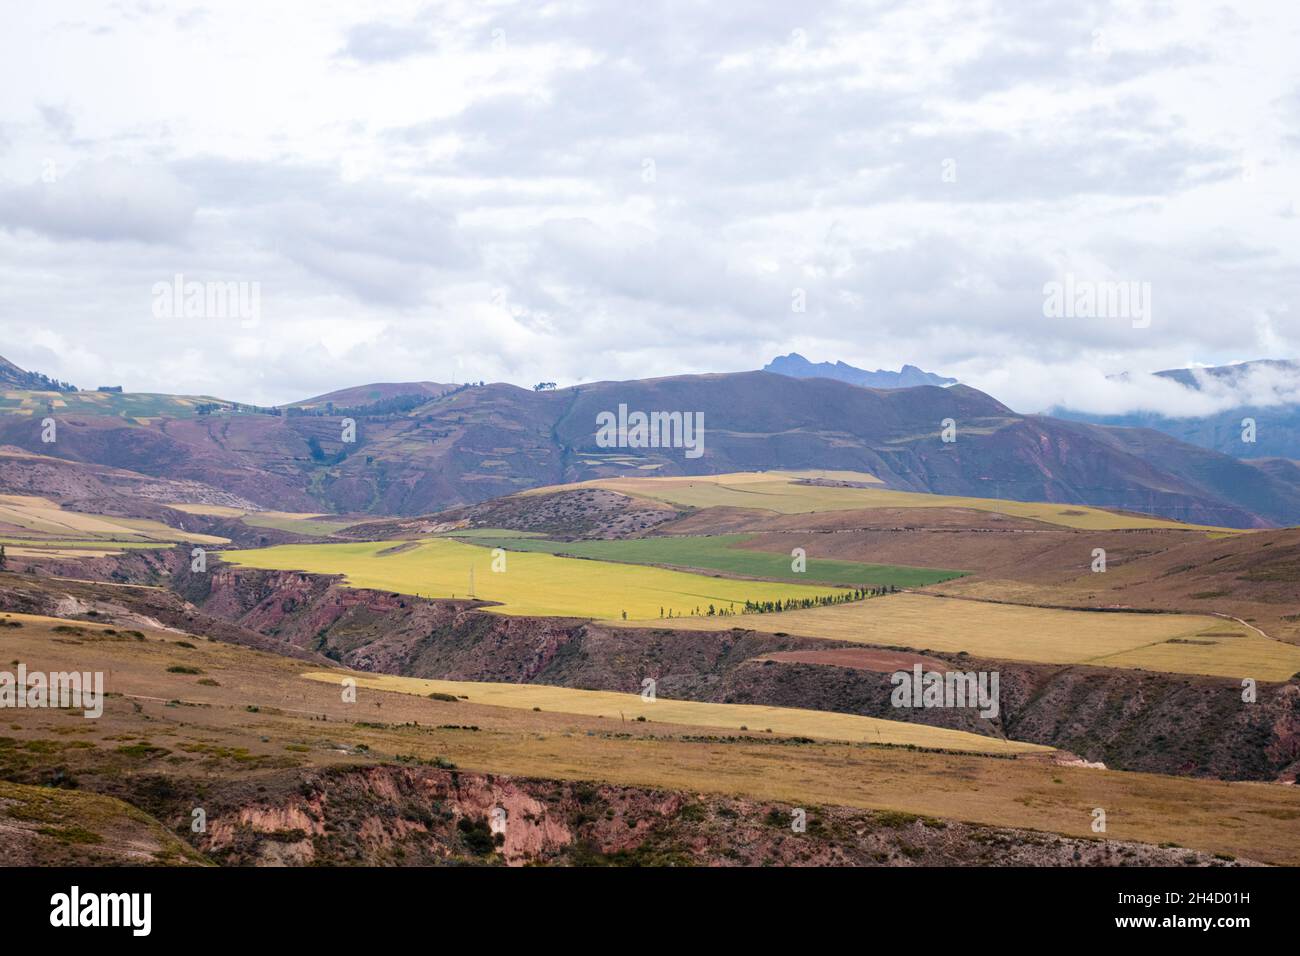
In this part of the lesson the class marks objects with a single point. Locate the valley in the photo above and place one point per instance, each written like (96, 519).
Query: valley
(344, 677)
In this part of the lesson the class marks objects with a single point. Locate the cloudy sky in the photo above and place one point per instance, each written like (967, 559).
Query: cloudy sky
(576, 191)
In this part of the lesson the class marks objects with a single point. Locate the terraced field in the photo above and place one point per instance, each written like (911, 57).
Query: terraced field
(313, 524)
(48, 522)
(781, 492)
(787, 721)
(1176, 643)
(534, 584)
(140, 406)
(719, 553)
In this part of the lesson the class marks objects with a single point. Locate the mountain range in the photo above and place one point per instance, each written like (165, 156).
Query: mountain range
(1265, 392)
(422, 447)
(796, 366)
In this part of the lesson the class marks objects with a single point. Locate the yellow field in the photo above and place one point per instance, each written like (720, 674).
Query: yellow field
(783, 721)
(226, 511)
(47, 518)
(44, 619)
(216, 511)
(778, 492)
(55, 552)
(533, 583)
(1041, 635)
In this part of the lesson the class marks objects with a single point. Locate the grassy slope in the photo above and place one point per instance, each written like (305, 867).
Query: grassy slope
(784, 721)
(43, 826)
(262, 713)
(718, 553)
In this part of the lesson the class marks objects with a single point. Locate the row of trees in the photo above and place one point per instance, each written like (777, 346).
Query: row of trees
(824, 600)
(207, 408)
(790, 604)
(397, 405)
(36, 382)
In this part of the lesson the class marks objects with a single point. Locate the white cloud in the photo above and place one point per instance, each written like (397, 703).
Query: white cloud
(103, 201)
(576, 191)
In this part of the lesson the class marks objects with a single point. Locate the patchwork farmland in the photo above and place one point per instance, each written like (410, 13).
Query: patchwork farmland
(722, 553)
(531, 584)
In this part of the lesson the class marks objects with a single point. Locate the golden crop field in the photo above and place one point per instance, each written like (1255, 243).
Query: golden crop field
(779, 492)
(45, 517)
(532, 583)
(1219, 648)
(784, 721)
(217, 511)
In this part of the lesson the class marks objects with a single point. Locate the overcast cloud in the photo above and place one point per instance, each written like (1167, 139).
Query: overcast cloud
(576, 191)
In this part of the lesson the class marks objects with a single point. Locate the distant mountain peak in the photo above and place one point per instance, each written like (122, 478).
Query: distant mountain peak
(795, 365)
(1283, 371)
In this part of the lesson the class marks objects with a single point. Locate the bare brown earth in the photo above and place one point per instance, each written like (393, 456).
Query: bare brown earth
(731, 520)
(25, 472)
(287, 770)
(586, 513)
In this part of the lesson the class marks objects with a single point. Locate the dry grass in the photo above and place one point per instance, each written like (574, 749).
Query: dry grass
(1044, 635)
(263, 705)
(779, 492)
(46, 518)
(784, 721)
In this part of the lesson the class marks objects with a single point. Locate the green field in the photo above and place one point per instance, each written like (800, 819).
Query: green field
(721, 552)
(312, 527)
(535, 584)
(138, 406)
